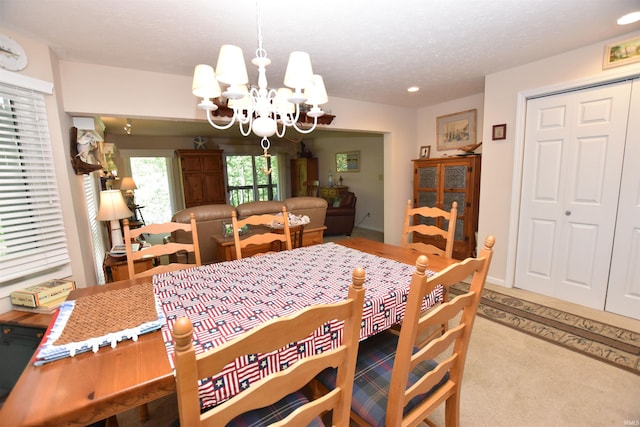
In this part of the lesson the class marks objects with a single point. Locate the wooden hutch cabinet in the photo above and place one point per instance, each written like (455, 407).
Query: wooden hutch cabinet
(302, 169)
(441, 181)
(202, 177)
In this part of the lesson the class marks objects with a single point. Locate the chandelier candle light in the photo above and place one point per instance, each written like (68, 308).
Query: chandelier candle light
(260, 110)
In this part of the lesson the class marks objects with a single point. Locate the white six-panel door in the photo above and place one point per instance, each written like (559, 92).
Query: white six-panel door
(574, 148)
(623, 296)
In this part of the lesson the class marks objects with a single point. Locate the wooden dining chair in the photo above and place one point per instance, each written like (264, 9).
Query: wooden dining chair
(276, 396)
(164, 229)
(266, 237)
(429, 221)
(398, 381)
(312, 188)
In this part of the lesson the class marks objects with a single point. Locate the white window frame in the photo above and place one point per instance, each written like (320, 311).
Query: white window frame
(91, 195)
(33, 242)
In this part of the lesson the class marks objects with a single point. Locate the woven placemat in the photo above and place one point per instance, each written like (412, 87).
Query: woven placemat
(107, 312)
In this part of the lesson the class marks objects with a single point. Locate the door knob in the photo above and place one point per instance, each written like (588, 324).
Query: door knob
(567, 213)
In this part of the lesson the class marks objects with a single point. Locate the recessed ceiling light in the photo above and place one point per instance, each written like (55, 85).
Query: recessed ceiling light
(629, 18)
(413, 89)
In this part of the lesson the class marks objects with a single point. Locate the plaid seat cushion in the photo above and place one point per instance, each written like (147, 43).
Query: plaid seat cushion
(373, 376)
(273, 413)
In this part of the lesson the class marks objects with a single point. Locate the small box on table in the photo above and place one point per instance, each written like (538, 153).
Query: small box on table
(35, 296)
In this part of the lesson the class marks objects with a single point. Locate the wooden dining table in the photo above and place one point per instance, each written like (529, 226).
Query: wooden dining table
(89, 387)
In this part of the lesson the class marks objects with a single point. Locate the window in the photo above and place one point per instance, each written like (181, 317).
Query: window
(32, 235)
(247, 181)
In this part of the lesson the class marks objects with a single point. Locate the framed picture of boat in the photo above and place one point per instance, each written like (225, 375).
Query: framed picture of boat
(456, 130)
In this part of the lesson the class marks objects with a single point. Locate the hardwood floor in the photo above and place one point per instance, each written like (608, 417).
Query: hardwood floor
(358, 232)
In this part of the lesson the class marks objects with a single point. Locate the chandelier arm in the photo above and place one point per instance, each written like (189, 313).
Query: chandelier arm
(284, 129)
(286, 119)
(297, 116)
(224, 127)
(241, 125)
(241, 117)
(311, 129)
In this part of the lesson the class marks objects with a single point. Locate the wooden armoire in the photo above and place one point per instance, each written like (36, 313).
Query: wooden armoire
(438, 183)
(303, 169)
(202, 174)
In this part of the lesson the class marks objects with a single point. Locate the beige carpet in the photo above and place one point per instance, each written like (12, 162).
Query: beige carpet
(608, 343)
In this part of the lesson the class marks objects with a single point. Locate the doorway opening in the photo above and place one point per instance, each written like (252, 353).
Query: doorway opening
(153, 173)
(152, 196)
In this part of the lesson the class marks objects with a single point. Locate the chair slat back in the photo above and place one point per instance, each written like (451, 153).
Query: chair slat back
(412, 225)
(159, 250)
(312, 188)
(449, 349)
(265, 238)
(270, 336)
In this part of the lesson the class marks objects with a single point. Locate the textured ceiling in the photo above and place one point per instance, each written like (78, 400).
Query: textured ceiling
(366, 50)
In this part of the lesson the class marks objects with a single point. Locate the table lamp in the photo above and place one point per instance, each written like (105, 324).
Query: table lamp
(128, 185)
(113, 208)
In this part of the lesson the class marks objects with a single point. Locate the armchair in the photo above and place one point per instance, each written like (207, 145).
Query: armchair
(340, 217)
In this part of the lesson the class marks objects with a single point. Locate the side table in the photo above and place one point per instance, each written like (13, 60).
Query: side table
(116, 269)
(330, 194)
(226, 249)
(296, 234)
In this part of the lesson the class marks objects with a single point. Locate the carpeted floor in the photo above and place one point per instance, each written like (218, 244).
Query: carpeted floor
(610, 344)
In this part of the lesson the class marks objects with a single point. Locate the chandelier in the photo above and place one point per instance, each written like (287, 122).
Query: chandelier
(263, 111)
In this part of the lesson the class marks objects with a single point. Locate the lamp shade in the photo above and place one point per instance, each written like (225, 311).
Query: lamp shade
(242, 103)
(205, 84)
(316, 93)
(299, 73)
(231, 68)
(128, 183)
(112, 206)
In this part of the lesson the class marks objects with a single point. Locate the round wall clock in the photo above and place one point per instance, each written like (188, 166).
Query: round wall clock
(12, 55)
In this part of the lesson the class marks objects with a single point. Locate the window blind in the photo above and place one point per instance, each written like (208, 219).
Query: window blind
(32, 235)
(91, 197)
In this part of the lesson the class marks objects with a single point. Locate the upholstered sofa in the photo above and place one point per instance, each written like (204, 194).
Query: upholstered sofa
(340, 217)
(210, 219)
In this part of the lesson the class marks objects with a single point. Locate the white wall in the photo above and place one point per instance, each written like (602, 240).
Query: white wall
(504, 102)
(427, 131)
(99, 90)
(367, 184)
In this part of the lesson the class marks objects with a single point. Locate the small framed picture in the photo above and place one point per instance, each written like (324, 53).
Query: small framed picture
(499, 132)
(425, 151)
(348, 161)
(621, 53)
